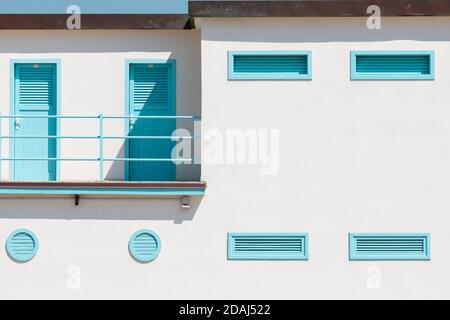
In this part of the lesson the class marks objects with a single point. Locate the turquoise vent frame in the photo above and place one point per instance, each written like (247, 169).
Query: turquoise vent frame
(268, 246)
(409, 72)
(144, 245)
(22, 245)
(286, 74)
(389, 246)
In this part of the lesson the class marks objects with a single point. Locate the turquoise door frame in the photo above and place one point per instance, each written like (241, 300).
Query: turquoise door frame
(13, 107)
(168, 167)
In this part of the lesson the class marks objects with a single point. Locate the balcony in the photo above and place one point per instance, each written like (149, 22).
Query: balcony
(100, 155)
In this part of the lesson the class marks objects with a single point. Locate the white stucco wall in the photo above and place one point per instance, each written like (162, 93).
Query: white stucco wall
(93, 82)
(353, 157)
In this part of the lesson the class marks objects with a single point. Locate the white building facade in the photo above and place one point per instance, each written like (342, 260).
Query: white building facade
(292, 155)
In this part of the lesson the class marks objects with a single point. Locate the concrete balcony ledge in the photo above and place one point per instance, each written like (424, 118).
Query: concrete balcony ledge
(103, 188)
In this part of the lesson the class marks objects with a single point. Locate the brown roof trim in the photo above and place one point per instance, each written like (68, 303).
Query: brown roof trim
(317, 8)
(96, 21)
(235, 8)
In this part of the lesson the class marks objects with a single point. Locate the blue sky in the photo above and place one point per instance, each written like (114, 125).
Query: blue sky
(94, 6)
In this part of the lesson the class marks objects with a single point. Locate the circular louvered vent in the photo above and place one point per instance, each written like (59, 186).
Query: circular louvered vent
(144, 245)
(22, 245)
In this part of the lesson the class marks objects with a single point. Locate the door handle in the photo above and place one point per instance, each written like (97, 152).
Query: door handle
(132, 122)
(17, 123)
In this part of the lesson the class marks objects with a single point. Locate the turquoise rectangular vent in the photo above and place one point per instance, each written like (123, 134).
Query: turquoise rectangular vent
(392, 65)
(267, 246)
(269, 65)
(384, 246)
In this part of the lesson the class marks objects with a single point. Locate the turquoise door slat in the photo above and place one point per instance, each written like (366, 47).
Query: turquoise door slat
(35, 95)
(152, 93)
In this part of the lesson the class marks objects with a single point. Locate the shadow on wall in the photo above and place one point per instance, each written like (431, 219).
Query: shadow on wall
(152, 94)
(315, 30)
(99, 209)
(184, 171)
(141, 171)
(90, 41)
(117, 169)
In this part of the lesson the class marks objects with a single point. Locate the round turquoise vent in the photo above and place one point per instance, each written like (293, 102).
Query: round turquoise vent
(144, 245)
(22, 245)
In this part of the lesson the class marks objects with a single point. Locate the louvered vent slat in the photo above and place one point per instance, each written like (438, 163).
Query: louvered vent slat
(267, 246)
(389, 247)
(22, 245)
(389, 63)
(269, 65)
(401, 65)
(144, 245)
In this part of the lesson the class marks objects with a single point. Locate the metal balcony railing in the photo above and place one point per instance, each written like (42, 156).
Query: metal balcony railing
(101, 137)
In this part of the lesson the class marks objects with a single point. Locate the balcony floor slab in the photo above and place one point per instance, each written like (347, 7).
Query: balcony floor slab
(103, 188)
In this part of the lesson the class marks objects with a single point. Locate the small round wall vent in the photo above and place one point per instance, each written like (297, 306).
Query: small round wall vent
(144, 245)
(22, 245)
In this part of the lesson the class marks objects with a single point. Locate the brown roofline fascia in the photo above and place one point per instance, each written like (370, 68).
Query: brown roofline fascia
(317, 8)
(95, 21)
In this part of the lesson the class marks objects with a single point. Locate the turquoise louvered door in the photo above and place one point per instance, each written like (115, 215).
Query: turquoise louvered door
(35, 95)
(152, 94)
